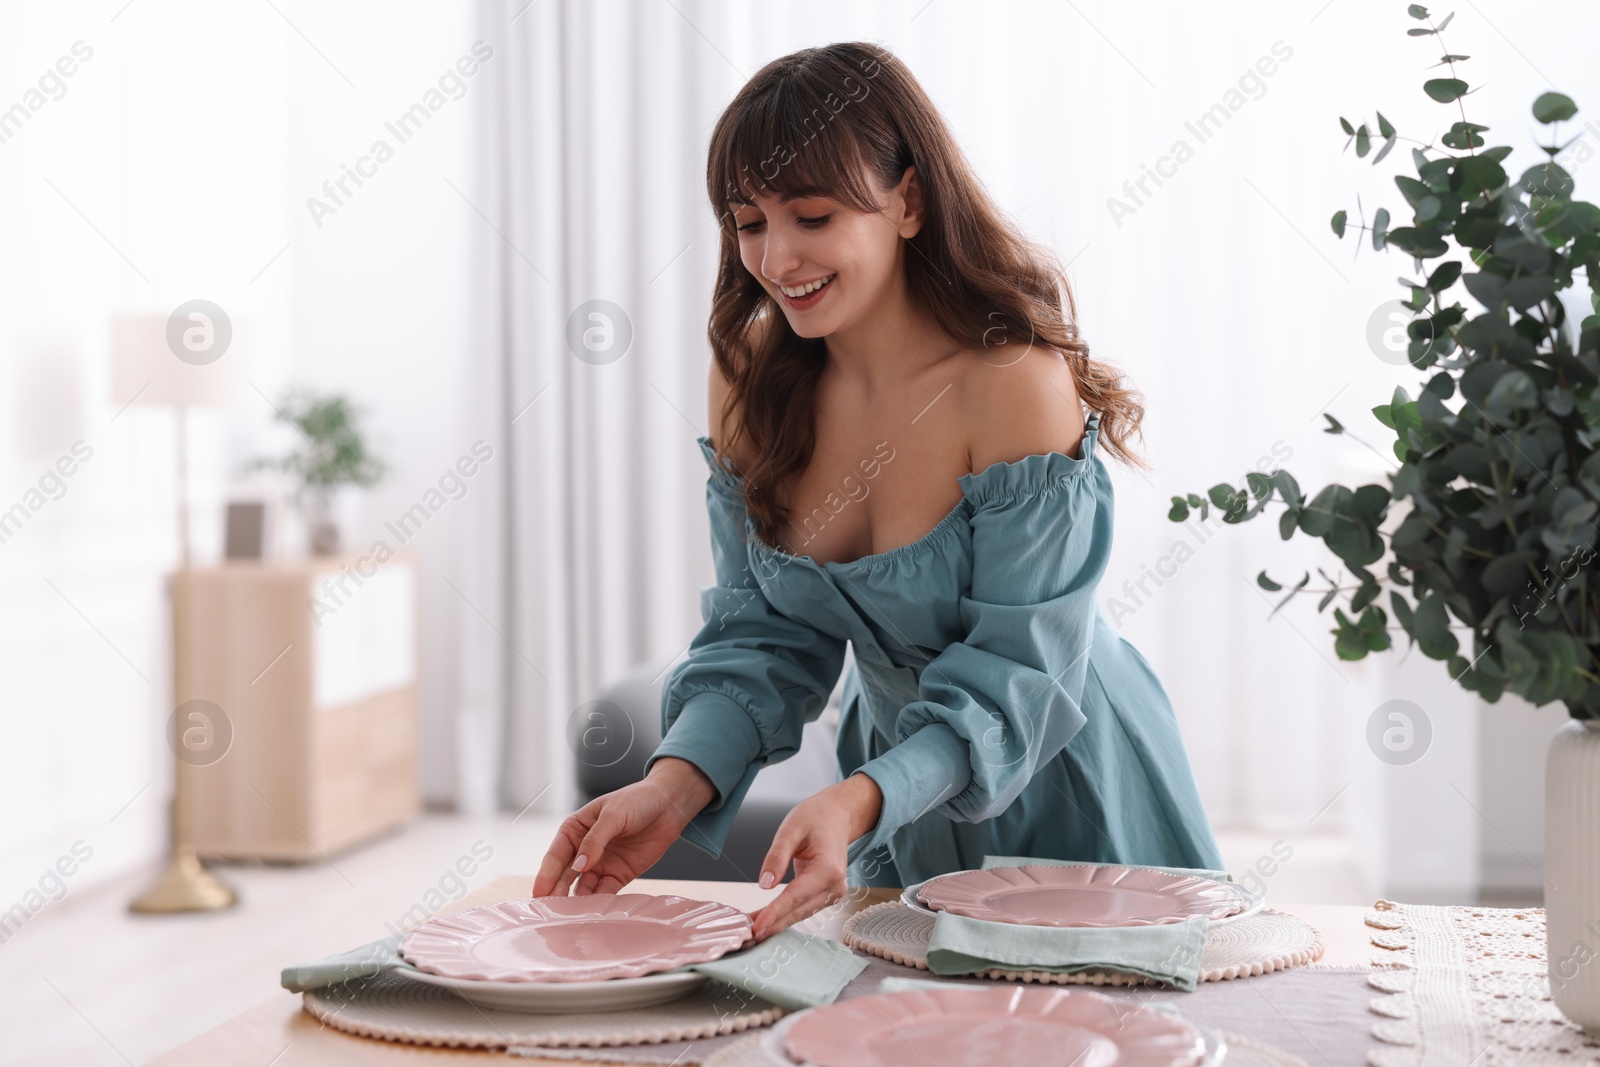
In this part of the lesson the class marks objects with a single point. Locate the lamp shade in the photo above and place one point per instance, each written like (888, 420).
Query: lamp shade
(193, 357)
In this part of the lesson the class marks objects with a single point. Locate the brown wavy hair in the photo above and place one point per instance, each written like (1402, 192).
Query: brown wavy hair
(820, 122)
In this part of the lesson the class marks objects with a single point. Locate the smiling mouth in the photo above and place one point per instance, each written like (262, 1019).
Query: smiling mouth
(800, 292)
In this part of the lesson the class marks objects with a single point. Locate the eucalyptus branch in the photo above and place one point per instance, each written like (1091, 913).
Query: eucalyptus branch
(1494, 498)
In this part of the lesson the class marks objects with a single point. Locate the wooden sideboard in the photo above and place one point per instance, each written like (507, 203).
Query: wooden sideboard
(307, 742)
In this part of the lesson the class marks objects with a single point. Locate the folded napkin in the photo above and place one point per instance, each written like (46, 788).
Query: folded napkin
(1167, 952)
(791, 969)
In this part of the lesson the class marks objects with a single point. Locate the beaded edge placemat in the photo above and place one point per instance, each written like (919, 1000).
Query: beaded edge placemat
(1267, 941)
(396, 1009)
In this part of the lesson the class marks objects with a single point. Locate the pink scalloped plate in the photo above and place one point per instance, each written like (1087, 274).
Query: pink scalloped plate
(1099, 895)
(978, 1026)
(576, 939)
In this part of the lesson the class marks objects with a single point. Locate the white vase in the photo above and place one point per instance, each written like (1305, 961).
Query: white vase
(1572, 871)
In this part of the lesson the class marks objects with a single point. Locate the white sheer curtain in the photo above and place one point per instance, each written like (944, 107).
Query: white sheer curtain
(1217, 287)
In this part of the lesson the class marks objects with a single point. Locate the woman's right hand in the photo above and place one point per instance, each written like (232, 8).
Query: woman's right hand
(615, 838)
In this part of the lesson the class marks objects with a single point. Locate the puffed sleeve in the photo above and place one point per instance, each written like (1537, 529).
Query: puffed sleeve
(997, 705)
(753, 677)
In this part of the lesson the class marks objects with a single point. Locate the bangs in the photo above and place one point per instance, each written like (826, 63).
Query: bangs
(799, 137)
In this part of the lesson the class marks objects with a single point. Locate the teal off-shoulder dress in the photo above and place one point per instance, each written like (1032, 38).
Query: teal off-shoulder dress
(991, 702)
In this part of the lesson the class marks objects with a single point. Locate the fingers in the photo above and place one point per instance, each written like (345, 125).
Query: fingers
(778, 857)
(813, 889)
(606, 826)
(562, 849)
(560, 864)
(611, 884)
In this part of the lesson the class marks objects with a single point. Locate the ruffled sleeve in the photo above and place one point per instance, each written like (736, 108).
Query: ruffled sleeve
(753, 677)
(997, 705)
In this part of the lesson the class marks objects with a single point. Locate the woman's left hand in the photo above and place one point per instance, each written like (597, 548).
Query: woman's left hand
(816, 835)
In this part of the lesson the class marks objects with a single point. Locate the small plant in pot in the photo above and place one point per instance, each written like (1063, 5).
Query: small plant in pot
(332, 454)
(1485, 533)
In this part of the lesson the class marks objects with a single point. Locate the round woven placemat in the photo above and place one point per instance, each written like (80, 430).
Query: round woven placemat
(1267, 941)
(1242, 1052)
(397, 1009)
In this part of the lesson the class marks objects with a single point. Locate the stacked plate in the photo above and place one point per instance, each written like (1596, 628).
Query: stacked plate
(977, 1026)
(601, 952)
(1093, 895)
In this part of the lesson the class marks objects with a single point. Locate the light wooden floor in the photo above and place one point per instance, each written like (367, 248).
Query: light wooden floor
(89, 984)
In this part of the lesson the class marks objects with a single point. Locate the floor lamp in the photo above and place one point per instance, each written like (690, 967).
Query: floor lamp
(188, 359)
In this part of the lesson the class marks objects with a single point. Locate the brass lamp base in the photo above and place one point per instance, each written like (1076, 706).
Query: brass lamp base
(186, 886)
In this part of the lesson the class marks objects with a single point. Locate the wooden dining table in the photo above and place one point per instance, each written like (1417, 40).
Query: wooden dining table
(279, 1033)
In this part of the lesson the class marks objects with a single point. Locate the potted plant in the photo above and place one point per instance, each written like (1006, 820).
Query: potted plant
(332, 454)
(1490, 522)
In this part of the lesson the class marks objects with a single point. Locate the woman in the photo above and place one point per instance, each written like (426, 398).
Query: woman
(905, 458)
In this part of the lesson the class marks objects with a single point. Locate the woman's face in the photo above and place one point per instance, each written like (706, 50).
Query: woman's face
(825, 263)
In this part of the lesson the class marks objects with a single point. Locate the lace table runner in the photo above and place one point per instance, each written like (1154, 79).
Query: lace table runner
(1466, 985)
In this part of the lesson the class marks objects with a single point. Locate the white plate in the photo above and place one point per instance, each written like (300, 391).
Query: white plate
(550, 998)
(1254, 902)
(772, 1042)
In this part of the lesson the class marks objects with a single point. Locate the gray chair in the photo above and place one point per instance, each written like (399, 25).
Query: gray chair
(618, 732)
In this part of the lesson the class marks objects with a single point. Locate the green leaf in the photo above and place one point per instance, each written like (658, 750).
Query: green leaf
(1384, 126)
(1267, 583)
(1338, 221)
(1380, 225)
(1179, 511)
(1464, 135)
(1334, 425)
(1260, 485)
(1417, 11)
(1322, 512)
(1478, 174)
(1432, 628)
(1444, 277)
(1549, 180)
(1365, 595)
(1402, 612)
(1363, 140)
(1445, 90)
(1344, 123)
(1514, 392)
(1301, 584)
(1411, 189)
(1288, 488)
(1553, 107)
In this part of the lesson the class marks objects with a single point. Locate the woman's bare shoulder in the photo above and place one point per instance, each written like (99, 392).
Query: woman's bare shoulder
(1019, 406)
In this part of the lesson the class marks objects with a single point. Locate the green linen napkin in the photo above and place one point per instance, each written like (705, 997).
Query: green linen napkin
(791, 969)
(1169, 952)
